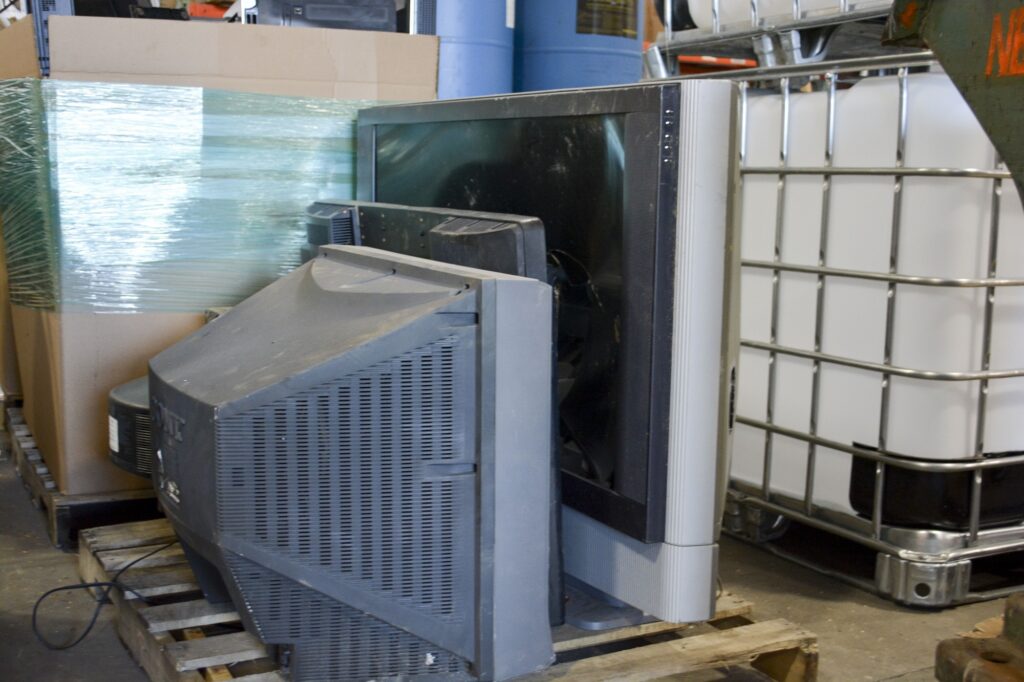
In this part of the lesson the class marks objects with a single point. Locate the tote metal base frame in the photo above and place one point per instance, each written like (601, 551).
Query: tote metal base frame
(916, 567)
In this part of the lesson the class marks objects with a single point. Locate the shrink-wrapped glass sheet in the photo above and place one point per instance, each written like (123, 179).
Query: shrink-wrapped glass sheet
(121, 197)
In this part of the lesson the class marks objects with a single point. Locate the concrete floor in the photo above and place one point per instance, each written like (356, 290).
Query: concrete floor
(861, 636)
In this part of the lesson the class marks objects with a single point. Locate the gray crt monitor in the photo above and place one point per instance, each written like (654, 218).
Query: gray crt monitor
(631, 184)
(358, 456)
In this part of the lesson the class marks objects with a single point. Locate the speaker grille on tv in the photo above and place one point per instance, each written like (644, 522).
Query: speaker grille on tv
(334, 641)
(367, 480)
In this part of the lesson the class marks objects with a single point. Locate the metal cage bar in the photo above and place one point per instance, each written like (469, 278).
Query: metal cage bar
(819, 296)
(780, 214)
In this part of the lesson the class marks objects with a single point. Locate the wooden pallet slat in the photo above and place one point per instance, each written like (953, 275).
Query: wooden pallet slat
(193, 654)
(184, 640)
(159, 581)
(187, 614)
(125, 535)
(568, 638)
(211, 673)
(720, 649)
(115, 559)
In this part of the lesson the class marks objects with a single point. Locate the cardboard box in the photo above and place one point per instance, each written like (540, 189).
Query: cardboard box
(10, 381)
(273, 60)
(18, 51)
(69, 360)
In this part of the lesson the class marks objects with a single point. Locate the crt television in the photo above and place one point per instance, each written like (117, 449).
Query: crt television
(358, 456)
(631, 184)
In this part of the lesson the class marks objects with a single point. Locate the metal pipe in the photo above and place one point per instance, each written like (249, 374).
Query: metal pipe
(902, 372)
(780, 210)
(917, 280)
(986, 356)
(890, 304)
(882, 170)
(819, 304)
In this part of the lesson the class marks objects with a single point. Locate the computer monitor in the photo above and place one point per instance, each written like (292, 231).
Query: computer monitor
(631, 184)
(359, 457)
(510, 244)
(368, 15)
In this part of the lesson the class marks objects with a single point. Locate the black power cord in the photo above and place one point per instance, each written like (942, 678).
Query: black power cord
(101, 599)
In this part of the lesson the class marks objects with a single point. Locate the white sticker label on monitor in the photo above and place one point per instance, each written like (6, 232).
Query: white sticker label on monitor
(510, 13)
(112, 427)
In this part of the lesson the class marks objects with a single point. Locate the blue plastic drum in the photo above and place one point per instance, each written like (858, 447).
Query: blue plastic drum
(476, 47)
(577, 43)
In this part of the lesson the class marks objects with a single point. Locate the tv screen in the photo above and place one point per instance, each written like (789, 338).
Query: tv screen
(631, 185)
(599, 208)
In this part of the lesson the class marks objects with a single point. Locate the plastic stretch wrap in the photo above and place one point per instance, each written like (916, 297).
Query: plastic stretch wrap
(125, 197)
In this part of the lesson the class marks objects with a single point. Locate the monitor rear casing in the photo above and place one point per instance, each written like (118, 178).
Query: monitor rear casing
(358, 456)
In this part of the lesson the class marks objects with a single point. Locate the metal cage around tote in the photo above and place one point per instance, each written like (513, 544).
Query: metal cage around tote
(940, 549)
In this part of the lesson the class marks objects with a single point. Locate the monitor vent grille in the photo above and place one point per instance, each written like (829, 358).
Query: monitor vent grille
(334, 641)
(342, 228)
(427, 23)
(143, 433)
(361, 480)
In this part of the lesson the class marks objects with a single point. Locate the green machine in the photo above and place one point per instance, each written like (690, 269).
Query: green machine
(981, 47)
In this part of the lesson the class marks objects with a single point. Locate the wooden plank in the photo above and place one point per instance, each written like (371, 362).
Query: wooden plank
(89, 568)
(115, 559)
(124, 535)
(262, 677)
(219, 650)
(159, 581)
(214, 673)
(736, 646)
(146, 647)
(186, 614)
(569, 638)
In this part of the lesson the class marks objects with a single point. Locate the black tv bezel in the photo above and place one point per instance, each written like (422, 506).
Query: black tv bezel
(652, 176)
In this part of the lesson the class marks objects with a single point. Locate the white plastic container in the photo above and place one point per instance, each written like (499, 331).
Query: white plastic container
(944, 232)
(737, 13)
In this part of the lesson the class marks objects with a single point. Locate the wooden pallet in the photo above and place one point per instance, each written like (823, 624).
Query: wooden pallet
(11, 404)
(777, 649)
(181, 637)
(185, 638)
(68, 514)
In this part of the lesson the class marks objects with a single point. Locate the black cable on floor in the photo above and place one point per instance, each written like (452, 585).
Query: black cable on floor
(101, 599)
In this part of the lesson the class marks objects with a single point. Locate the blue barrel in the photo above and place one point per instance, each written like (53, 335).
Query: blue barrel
(476, 47)
(578, 43)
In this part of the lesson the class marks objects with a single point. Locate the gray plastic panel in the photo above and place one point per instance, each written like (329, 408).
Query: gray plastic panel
(285, 612)
(368, 480)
